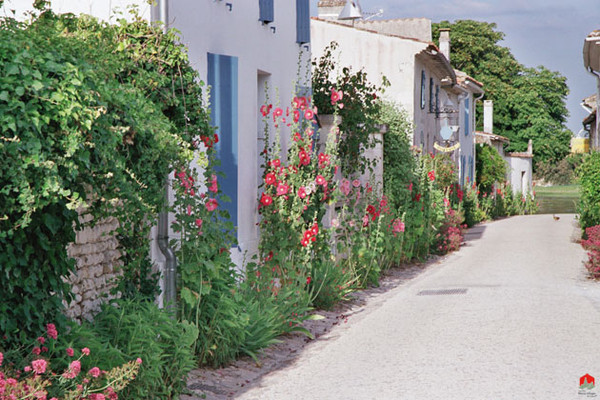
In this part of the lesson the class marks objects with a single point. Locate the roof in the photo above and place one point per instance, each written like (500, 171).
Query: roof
(331, 3)
(484, 137)
(468, 82)
(432, 56)
(590, 118)
(347, 25)
(522, 154)
(591, 51)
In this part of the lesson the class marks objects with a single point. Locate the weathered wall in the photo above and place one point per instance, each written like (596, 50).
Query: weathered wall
(96, 251)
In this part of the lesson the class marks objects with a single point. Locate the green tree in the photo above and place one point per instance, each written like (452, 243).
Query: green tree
(490, 167)
(529, 103)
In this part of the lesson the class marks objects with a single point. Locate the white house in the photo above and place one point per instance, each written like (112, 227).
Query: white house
(440, 102)
(591, 62)
(237, 48)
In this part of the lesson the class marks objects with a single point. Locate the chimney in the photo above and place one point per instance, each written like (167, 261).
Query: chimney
(445, 42)
(530, 147)
(488, 116)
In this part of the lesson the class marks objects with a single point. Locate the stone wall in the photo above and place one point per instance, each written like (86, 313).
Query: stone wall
(96, 251)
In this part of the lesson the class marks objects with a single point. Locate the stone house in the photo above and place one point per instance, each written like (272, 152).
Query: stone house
(580, 142)
(439, 100)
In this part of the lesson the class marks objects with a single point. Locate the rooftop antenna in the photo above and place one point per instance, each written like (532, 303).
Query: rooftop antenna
(351, 11)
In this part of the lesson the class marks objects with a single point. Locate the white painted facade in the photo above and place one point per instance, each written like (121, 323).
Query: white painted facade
(266, 53)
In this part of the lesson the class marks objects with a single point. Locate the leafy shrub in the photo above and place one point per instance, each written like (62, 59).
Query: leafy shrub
(489, 166)
(473, 213)
(449, 236)
(592, 245)
(127, 329)
(561, 173)
(589, 181)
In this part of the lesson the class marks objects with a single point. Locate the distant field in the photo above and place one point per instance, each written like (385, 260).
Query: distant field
(557, 191)
(557, 199)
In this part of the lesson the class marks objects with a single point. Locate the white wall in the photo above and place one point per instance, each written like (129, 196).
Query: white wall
(520, 173)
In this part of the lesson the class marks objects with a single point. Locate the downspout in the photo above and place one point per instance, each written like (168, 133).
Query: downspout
(170, 271)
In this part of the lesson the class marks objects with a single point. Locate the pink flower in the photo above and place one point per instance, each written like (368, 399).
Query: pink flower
(345, 187)
(308, 280)
(1, 358)
(270, 178)
(199, 223)
(39, 366)
(320, 180)
(213, 187)
(446, 202)
(85, 351)
(51, 331)
(275, 163)
(410, 187)
(278, 112)
(309, 114)
(41, 339)
(398, 226)
(211, 204)
(74, 369)
(296, 115)
(431, 175)
(365, 220)
(282, 189)
(336, 96)
(266, 200)
(304, 157)
(356, 183)
(27, 368)
(95, 372)
(96, 396)
(70, 352)
(36, 351)
(302, 192)
(138, 360)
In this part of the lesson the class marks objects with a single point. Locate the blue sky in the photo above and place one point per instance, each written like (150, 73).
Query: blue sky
(538, 32)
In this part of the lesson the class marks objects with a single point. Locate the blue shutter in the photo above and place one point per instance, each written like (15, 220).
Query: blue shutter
(302, 21)
(223, 79)
(467, 118)
(471, 170)
(267, 11)
(463, 166)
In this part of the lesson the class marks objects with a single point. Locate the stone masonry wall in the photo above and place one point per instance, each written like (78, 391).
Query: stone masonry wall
(96, 251)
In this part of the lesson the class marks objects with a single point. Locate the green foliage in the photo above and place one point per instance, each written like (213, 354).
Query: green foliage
(529, 103)
(561, 173)
(473, 214)
(88, 118)
(445, 173)
(490, 168)
(360, 109)
(589, 181)
(398, 161)
(129, 329)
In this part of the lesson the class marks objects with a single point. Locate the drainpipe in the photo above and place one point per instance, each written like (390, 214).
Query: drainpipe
(170, 271)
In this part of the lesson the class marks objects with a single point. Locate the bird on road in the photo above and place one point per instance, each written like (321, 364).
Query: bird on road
(556, 218)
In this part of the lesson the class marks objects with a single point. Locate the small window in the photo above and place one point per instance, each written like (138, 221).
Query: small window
(302, 21)
(423, 79)
(267, 11)
(430, 95)
(437, 100)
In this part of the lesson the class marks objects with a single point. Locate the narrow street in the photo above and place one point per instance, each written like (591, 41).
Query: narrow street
(510, 316)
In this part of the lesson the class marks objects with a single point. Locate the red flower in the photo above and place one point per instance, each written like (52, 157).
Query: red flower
(282, 189)
(309, 114)
(275, 163)
(308, 280)
(320, 180)
(336, 96)
(296, 115)
(431, 175)
(266, 200)
(304, 157)
(211, 204)
(278, 112)
(371, 209)
(315, 229)
(270, 178)
(302, 192)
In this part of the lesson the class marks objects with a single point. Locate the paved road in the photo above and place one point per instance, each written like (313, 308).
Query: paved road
(527, 327)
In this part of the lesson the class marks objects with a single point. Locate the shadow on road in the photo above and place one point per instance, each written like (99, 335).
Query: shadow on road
(474, 233)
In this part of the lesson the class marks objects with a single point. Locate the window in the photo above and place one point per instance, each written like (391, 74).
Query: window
(302, 21)
(437, 100)
(223, 79)
(423, 89)
(267, 11)
(430, 95)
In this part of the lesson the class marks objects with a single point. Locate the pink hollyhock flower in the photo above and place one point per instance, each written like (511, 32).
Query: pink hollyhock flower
(266, 200)
(278, 112)
(211, 204)
(39, 366)
(302, 192)
(70, 352)
(365, 220)
(398, 226)
(138, 360)
(336, 96)
(296, 115)
(446, 202)
(51, 331)
(199, 223)
(270, 178)
(85, 351)
(356, 183)
(275, 163)
(410, 187)
(282, 189)
(309, 114)
(308, 280)
(44, 349)
(74, 369)
(95, 372)
(314, 230)
(213, 187)
(304, 157)
(345, 187)
(431, 175)
(320, 180)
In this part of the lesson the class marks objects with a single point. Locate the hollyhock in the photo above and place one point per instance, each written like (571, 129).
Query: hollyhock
(309, 114)
(1, 358)
(356, 183)
(410, 187)
(308, 280)
(304, 157)
(431, 175)
(336, 96)
(296, 115)
(365, 220)
(278, 112)
(199, 223)
(266, 200)
(345, 187)
(211, 205)
(302, 192)
(320, 180)
(270, 178)
(282, 189)
(275, 163)
(213, 187)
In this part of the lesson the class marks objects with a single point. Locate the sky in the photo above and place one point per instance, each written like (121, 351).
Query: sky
(538, 32)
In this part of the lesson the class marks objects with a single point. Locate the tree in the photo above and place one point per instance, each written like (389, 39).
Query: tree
(529, 103)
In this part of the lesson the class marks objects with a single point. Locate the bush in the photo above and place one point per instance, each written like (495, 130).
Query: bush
(128, 329)
(561, 173)
(589, 181)
(592, 245)
(449, 236)
(489, 166)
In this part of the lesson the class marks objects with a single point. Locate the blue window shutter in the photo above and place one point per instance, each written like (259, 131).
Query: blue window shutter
(302, 21)
(223, 79)
(267, 11)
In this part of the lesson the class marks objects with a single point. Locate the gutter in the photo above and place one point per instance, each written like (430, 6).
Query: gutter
(170, 271)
